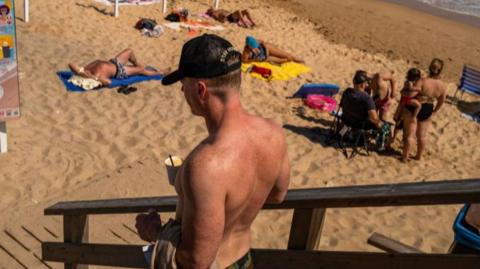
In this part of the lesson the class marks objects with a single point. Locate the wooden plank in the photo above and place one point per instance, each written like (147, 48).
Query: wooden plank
(457, 248)
(404, 194)
(389, 245)
(95, 254)
(292, 259)
(132, 257)
(75, 230)
(306, 228)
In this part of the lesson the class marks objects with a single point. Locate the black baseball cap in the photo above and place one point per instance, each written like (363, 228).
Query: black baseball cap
(206, 56)
(360, 77)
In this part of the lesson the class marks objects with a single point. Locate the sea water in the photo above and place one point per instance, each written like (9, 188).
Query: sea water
(470, 7)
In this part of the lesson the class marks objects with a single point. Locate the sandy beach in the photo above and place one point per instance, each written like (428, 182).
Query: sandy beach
(104, 144)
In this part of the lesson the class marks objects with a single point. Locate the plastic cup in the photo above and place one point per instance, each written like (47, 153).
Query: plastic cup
(172, 168)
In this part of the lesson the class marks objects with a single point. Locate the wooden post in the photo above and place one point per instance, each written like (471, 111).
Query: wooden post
(307, 224)
(165, 4)
(116, 9)
(26, 10)
(75, 230)
(3, 137)
(217, 3)
(389, 245)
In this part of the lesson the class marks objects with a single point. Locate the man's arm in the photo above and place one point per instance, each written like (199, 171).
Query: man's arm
(440, 100)
(203, 216)
(246, 56)
(104, 81)
(373, 117)
(279, 190)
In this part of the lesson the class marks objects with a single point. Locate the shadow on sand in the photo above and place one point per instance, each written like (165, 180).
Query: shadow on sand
(99, 10)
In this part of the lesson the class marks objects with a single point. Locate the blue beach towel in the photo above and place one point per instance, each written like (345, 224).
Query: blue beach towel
(66, 75)
(316, 88)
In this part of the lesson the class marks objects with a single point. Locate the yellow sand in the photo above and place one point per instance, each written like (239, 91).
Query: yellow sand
(102, 144)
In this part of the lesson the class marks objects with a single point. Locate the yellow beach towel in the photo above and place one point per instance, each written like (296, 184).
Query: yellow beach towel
(284, 71)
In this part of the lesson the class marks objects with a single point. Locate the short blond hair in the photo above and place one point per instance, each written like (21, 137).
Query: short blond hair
(436, 67)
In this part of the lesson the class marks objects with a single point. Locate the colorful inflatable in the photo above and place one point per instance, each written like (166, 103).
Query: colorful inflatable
(321, 102)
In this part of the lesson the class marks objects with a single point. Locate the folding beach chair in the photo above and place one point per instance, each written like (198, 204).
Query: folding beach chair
(342, 133)
(469, 82)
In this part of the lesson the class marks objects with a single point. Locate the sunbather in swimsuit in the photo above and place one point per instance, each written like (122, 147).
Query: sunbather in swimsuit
(261, 56)
(117, 67)
(258, 50)
(121, 73)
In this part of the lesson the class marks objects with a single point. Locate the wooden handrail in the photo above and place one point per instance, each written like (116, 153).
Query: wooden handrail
(132, 256)
(403, 194)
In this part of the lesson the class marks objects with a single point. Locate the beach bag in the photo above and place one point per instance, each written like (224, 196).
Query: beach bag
(173, 17)
(264, 72)
(145, 24)
(321, 102)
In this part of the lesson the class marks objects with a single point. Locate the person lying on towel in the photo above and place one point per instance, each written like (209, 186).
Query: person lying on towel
(117, 68)
(260, 51)
(241, 17)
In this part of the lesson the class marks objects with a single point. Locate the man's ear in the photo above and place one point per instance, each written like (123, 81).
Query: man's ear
(202, 89)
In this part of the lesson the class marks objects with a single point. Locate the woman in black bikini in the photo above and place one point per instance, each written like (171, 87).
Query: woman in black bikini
(431, 90)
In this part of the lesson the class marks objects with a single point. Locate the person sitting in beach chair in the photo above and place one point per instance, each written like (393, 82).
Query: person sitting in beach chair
(358, 107)
(116, 67)
(241, 17)
(359, 112)
(260, 51)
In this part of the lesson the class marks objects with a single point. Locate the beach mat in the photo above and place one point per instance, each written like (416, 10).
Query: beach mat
(66, 75)
(284, 71)
(316, 88)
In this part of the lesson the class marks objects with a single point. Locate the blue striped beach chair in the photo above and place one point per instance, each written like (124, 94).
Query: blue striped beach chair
(469, 82)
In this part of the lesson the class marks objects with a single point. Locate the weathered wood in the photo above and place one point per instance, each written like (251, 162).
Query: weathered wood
(75, 230)
(389, 245)
(306, 228)
(132, 256)
(405, 194)
(456, 248)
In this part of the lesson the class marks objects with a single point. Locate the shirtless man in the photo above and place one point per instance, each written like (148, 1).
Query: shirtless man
(231, 174)
(430, 90)
(383, 90)
(117, 68)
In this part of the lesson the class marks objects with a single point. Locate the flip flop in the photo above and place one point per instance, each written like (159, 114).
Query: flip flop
(122, 89)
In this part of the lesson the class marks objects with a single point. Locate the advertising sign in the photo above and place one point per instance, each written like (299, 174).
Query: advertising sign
(9, 92)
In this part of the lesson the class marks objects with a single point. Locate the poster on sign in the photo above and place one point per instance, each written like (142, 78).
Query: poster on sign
(9, 92)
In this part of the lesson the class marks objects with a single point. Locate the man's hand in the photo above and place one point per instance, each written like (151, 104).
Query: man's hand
(148, 226)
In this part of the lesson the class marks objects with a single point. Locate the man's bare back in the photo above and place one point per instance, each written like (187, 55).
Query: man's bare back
(250, 153)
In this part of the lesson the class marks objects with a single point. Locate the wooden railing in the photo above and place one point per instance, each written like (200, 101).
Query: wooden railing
(309, 207)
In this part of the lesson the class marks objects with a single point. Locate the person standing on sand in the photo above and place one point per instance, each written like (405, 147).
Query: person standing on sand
(431, 89)
(226, 179)
(383, 89)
